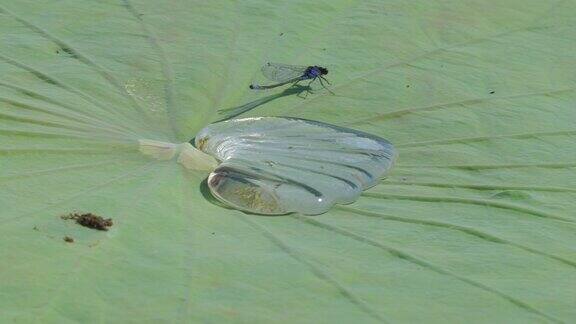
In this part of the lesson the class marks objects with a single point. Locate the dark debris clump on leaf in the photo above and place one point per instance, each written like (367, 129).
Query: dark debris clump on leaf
(90, 220)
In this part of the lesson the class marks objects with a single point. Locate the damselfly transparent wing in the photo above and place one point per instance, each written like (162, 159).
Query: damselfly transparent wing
(282, 72)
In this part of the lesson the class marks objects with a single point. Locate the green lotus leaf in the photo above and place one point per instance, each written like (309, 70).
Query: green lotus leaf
(475, 223)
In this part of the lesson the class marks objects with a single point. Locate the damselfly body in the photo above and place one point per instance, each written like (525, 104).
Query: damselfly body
(285, 74)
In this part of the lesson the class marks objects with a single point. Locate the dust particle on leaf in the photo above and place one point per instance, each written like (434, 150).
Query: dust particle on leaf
(90, 220)
(68, 239)
(492, 92)
(202, 142)
(68, 51)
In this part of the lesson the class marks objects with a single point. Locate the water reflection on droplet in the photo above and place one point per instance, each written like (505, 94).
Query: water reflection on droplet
(276, 165)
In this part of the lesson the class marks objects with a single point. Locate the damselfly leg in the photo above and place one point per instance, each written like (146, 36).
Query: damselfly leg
(320, 78)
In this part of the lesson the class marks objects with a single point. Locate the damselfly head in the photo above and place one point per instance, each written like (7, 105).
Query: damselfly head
(316, 71)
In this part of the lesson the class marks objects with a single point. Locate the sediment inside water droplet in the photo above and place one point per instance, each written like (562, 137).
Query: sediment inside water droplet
(241, 193)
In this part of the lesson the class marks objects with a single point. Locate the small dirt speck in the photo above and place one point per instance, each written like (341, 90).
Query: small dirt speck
(36, 228)
(407, 86)
(68, 51)
(281, 34)
(90, 220)
(68, 239)
(213, 233)
(492, 92)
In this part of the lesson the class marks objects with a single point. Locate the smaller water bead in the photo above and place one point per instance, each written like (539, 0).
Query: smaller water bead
(275, 165)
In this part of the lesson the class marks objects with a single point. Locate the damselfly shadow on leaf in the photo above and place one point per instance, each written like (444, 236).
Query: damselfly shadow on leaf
(230, 113)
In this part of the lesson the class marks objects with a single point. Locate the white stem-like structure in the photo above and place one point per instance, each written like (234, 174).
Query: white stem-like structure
(186, 154)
